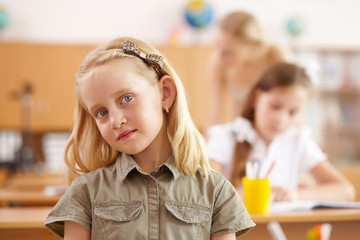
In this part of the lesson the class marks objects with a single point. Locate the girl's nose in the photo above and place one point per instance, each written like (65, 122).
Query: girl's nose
(281, 117)
(117, 120)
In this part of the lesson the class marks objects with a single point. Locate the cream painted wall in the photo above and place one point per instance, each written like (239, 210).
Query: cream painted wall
(333, 23)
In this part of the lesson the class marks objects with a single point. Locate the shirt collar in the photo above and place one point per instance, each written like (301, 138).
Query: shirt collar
(170, 164)
(125, 164)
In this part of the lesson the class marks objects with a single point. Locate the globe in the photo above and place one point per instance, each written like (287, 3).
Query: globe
(295, 26)
(4, 18)
(198, 13)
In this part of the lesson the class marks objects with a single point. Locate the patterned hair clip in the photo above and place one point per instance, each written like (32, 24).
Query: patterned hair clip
(154, 60)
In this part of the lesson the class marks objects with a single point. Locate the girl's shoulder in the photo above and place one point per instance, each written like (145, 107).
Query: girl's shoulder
(238, 124)
(216, 178)
(278, 53)
(219, 131)
(99, 174)
(240, 129)
(243, 130)
(214, 182)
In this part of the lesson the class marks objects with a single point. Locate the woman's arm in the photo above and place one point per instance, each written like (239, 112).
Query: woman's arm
(76, 231)
(230, 236)
(280, 54)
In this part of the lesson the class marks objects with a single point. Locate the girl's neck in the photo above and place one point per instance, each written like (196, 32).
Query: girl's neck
(262, 137)
(156, 154)
(149, 162)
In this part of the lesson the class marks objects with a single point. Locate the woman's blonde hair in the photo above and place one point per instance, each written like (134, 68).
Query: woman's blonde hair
(86, 149)
(281, 74)
(243, 26)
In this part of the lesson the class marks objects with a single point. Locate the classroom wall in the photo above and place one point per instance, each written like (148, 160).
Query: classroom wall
(51, 70)
(45, 42)
(328, 22)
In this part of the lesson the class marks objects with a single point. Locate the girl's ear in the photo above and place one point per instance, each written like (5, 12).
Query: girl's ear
(168, 91)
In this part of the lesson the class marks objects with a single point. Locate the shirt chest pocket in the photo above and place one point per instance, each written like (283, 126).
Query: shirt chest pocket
(116, 219)
(190, 220)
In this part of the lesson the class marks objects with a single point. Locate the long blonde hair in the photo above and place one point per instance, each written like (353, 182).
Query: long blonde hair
(243, 26)
(86, 149)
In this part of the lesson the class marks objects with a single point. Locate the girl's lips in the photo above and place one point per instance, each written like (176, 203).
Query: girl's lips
(125, 135)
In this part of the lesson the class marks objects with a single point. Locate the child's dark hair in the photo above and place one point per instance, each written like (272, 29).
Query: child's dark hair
(281, 74)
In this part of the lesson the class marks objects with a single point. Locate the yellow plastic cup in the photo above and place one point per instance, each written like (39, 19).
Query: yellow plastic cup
(257, 195)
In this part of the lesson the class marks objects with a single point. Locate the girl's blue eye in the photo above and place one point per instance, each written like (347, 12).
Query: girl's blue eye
(126, 99)
(101, 113)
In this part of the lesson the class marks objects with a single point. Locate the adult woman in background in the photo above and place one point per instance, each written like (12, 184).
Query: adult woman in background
(240, 56)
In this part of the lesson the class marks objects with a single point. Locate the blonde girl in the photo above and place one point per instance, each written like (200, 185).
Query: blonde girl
(137, 163)
(267, 132)
(241, 53)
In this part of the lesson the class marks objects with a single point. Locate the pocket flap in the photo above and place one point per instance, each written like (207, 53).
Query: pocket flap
(187, 212)
(118, 211)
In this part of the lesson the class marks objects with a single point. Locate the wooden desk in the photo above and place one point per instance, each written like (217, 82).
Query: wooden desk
(28, 190)
(345, 224)
(25, 223)
(35, 181)
(26, 197)
(28, 223)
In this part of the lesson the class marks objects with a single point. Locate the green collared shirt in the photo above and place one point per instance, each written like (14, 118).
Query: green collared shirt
(121, 201)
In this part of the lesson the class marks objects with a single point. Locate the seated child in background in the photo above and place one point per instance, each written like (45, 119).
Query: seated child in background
(267, 132)
(144, 172)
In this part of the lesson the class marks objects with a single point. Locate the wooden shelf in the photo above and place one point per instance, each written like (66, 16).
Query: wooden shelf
(328, 48)
(340, 92)
(339, 129)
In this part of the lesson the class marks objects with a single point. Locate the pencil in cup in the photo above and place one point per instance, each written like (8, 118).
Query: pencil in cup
(253, 169)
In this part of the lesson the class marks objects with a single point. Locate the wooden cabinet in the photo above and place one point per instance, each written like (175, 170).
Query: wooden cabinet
(51, 69)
